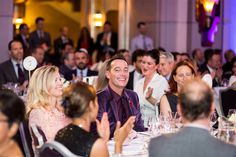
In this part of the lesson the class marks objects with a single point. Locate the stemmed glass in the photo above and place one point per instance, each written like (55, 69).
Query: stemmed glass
(178, 120)
(231, 112)
(213, 119)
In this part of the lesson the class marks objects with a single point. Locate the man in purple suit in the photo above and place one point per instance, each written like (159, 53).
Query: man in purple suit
(120, 103)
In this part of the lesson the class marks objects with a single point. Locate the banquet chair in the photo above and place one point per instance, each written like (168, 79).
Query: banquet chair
(54, 149)
(38, 136)
(227, 98)
(25, 140)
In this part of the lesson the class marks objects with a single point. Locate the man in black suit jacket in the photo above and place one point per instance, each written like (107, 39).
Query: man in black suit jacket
(39, 36)
(106, 39)
(12, 70)
(212, 66)
(60, 41)
(81, 61)
(135, 75)
(68, 68)
(23, 36)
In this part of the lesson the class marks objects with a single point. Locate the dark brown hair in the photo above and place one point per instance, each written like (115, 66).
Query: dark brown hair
(76, 99)
(172, 82)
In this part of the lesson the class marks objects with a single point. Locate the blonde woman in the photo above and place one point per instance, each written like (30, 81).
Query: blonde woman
(102, 80)
(44, 101)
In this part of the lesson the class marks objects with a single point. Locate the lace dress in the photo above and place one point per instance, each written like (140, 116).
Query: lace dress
(50, 121)
(77, 140)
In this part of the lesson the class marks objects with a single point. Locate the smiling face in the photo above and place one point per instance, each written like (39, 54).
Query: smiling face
(55, 89)
(16, 51)
(118, 75)
(183, 74)
(149, 66)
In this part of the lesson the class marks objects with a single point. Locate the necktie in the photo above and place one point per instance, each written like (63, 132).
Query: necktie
(144, 44)
(21, 76)
(81, 74)
(41, 35)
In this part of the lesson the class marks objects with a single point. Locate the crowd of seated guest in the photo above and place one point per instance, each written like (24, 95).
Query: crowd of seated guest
(125, 87)
(82, 107)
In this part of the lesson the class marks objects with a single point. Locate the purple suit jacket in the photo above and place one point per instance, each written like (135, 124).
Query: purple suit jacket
(108, 104)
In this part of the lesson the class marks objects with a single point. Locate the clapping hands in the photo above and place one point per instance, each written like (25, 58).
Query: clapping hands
(103, 127)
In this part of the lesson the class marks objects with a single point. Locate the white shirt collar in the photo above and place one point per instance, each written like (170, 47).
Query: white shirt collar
(210, 69)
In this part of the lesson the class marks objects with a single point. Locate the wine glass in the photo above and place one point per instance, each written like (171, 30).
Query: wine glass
(231, 112)
(213, 119)
(178, 120)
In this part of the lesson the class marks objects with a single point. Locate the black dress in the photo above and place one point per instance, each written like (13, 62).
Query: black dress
(173, 101)
(77, 140)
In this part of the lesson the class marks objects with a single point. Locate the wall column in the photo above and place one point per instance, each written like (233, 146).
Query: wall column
(6, 31)
(229, 25)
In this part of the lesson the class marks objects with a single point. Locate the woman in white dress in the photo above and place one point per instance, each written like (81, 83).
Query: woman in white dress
(150, 88)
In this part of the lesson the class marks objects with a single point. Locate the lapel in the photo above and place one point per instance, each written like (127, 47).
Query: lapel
(12, 71)
(112, 103)
(130, 103)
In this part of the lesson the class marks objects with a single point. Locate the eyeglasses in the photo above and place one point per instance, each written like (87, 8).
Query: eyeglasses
(184, 75)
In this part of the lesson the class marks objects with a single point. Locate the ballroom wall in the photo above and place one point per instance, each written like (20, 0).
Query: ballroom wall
(6, 27)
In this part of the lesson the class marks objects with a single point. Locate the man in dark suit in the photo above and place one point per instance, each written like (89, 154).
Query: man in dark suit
(81, 61)
(68, 68)
(106, 39)
(23, 36)
(12, 70)
(58, 43)
(135, 75)
(119, 103)
(212, 66)
(193, 140)
(39, 36)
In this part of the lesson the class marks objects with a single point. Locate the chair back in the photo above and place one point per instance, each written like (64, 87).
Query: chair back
(25, 139)
(227, 99)
(54, 149)
(38, 136)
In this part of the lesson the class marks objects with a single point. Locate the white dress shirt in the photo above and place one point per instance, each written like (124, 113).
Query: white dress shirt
(15, 66)
(137, 77)
(159, 85)
(138, 42)
(84, 72)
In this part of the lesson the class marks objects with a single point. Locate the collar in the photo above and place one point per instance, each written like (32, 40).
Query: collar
(114, 95)
(14, 62)
(210, 69)
(197, 126)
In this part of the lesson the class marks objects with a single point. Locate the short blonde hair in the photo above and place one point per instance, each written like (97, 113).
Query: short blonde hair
(40, 83)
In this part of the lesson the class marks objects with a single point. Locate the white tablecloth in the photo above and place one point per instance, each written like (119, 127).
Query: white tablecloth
(137, 147)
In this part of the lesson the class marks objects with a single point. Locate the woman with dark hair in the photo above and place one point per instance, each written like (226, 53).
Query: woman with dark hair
(182, 72)
(232, 78)
(85, 41)
(12, 112)
(150, 88)
(80, 103)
